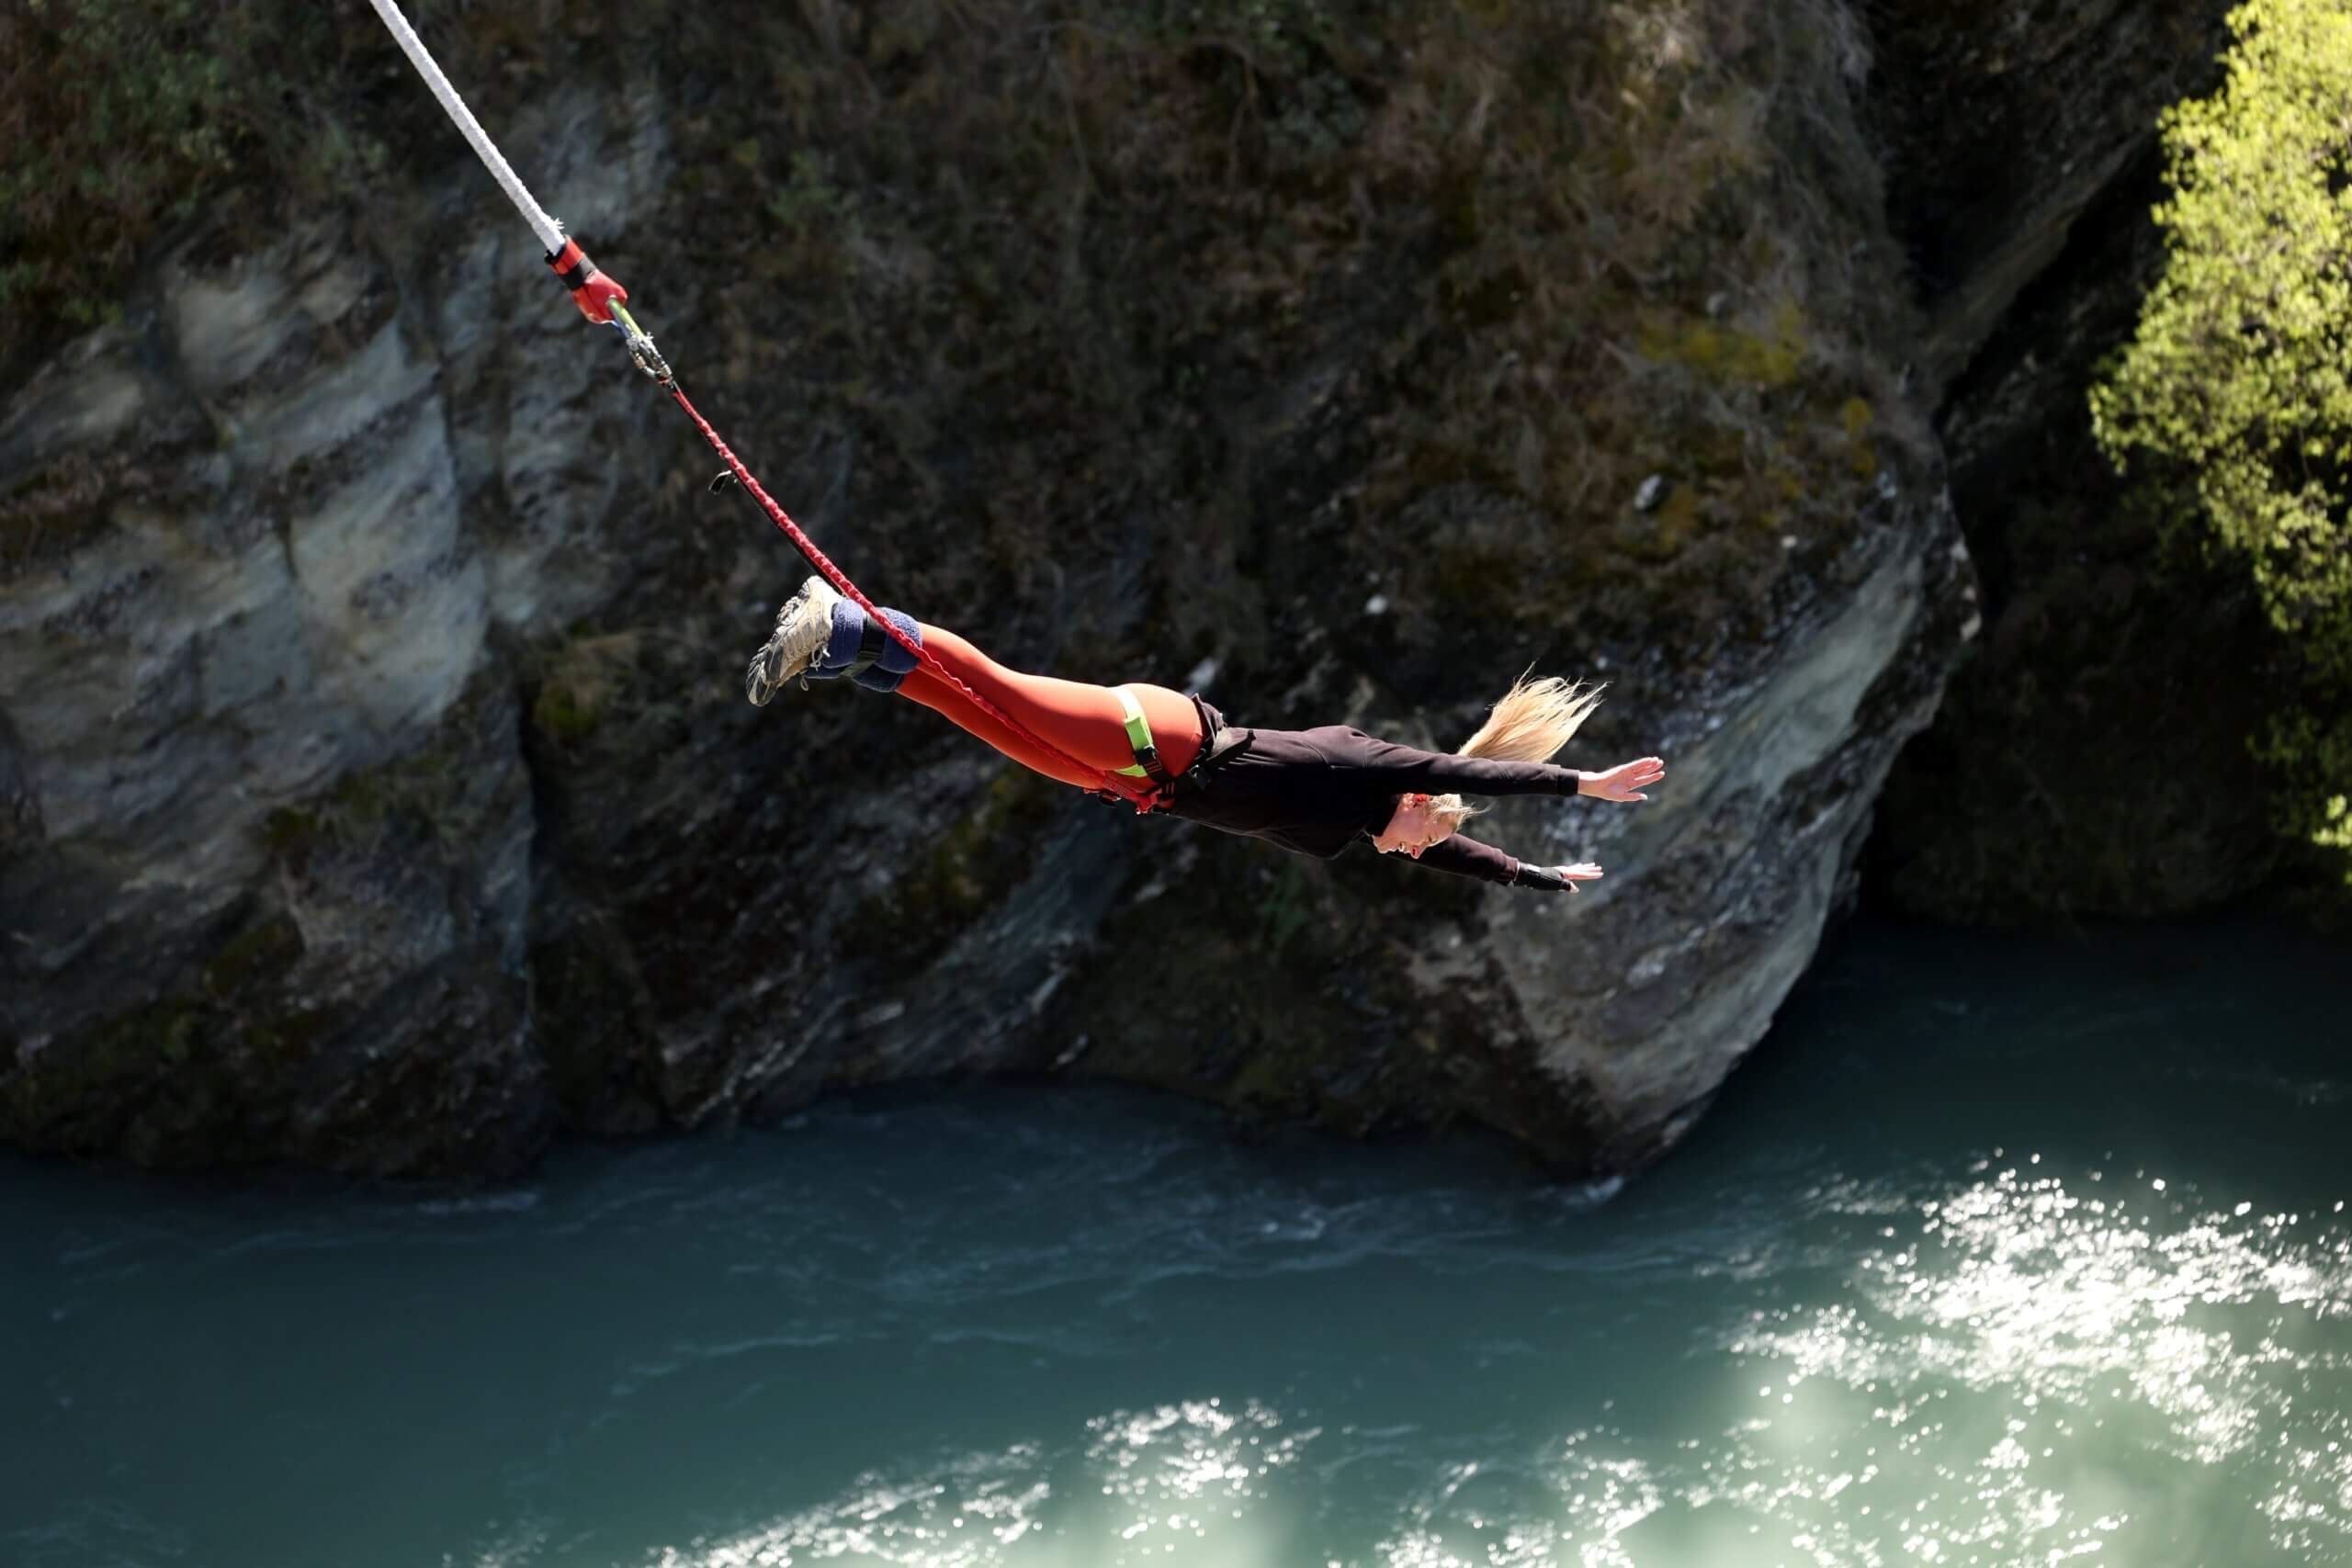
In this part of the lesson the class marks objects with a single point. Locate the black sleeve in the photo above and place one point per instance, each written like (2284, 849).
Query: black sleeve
(1462, 856)
(1401, 768)
(1543, 879)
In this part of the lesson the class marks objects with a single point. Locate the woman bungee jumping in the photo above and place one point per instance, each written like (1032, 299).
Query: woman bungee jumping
(1312, 790)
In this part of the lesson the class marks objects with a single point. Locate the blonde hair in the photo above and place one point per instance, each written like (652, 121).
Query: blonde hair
(1529, 724)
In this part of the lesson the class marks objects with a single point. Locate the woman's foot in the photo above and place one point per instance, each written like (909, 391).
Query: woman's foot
(801, 628)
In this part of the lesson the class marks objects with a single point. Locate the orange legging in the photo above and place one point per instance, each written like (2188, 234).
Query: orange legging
(1085, 721)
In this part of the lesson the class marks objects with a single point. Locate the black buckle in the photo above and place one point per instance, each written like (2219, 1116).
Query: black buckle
(870, 644)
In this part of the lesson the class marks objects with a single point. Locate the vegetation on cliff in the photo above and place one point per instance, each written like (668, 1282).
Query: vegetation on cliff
(125, 117)
(2238, 386)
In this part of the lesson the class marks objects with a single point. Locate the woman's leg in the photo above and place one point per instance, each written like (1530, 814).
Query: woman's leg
(1084, 722)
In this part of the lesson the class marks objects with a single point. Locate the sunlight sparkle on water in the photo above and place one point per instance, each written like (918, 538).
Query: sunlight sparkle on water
(2033, 1339)
(1177, 1484)
(1986, 1388)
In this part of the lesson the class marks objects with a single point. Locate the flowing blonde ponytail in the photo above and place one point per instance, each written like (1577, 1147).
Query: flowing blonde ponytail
(1529, 724)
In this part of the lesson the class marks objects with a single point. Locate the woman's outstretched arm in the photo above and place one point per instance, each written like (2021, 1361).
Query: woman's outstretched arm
(1406, 770)
(1463, 856)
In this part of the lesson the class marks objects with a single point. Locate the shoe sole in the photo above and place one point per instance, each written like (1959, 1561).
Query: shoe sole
(768, 672)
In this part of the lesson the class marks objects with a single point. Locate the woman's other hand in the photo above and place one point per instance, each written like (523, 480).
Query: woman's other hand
(1624, 782)
(1557, 878)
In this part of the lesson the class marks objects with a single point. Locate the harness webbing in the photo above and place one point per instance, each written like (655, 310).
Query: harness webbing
(1148, 765)
(601, 300)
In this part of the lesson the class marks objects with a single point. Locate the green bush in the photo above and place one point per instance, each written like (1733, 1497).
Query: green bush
(125, 117)
(120, 117)
(2239, 381)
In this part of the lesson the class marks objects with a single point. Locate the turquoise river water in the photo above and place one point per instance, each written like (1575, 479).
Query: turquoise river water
(1997, 1252)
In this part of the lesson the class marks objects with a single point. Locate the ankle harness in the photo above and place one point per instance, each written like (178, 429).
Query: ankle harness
(873, 638)
(862, 648)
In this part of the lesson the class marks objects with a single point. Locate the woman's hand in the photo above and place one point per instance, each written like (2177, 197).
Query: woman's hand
(1623, 781)
(1557, 878)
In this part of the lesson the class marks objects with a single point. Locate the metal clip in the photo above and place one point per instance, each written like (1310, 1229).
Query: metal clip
(641, 347)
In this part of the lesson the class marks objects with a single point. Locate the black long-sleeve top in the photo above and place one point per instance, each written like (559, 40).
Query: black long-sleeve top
(1318, 791)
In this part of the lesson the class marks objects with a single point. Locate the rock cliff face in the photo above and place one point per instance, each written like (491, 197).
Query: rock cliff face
(375, 790)
(2091, 757)
(2003, 126)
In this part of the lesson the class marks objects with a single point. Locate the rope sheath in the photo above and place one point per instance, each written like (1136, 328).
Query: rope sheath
(549, 231)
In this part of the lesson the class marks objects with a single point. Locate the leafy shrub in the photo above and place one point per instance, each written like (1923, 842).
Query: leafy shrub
(2239, 381)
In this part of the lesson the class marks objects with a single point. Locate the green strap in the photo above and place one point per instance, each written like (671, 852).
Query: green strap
(1139, 738)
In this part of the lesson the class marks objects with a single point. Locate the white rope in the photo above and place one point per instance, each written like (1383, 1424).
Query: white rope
(549, 231)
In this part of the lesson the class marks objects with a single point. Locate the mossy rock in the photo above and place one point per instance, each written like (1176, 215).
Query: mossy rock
(182, 1062)
(59, 510)
(960, 875)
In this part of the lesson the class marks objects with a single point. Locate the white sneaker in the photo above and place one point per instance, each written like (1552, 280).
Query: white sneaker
(802, 627)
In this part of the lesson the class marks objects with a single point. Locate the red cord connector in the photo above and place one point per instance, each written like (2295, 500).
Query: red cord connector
(591, 289)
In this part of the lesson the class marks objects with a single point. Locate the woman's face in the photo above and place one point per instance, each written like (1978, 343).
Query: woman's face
(1410, 831)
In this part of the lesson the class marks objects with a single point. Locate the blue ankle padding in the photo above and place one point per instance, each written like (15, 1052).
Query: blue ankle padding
(833, 659)
(849, 631)
(896, 659)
